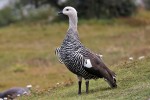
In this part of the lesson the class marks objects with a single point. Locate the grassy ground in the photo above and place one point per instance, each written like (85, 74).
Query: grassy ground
(133, 84)
(27, 57)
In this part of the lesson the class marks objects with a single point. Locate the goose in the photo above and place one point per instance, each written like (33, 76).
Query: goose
(15, 92)
(79, 59)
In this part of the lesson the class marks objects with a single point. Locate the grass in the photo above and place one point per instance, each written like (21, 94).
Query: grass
(133, 84)
(27, 57)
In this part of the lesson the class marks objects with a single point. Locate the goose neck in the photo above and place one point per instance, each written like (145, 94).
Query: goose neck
(73, 20)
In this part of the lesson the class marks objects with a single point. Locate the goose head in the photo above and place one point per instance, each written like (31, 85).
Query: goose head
(72, 14)
(69, 11)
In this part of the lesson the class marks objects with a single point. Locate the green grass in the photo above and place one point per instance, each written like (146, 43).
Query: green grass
(27, 57)
(133, 84)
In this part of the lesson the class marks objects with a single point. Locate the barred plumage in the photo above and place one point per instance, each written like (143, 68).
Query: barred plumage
(58, 55)
(71, 53)
(80, 60)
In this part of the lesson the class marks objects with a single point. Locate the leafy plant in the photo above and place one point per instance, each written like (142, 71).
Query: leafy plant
(147, 4)
(7, 16)
(102, 8)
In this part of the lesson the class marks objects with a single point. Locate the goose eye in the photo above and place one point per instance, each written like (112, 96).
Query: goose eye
(67, 9)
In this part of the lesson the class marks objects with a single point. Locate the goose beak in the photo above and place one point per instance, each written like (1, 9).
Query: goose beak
(60, 13)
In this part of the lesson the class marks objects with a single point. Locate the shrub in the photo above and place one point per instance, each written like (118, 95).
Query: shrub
(119, 8)
(103, 8)
(17, 13)
(41, 13)
(7, 16)
(147, 4)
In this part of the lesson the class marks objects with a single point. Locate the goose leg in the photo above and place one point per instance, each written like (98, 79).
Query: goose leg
(79, 84)
(87, 86)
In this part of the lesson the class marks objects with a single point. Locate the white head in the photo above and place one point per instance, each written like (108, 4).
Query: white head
(72, 14)
(69, 11)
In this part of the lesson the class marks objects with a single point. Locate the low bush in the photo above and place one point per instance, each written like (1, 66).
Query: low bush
(147, 4)
(7, 16)
(14, 14)
(103, 8)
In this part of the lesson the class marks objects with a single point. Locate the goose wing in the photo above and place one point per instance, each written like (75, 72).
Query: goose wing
(95, 65)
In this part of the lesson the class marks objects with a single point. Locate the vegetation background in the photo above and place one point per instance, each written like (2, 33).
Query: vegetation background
(118, 29)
